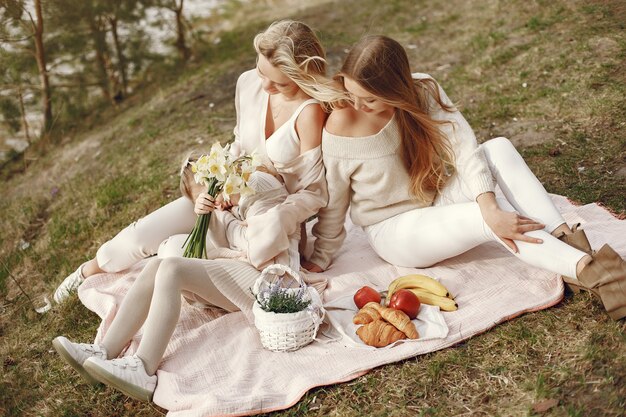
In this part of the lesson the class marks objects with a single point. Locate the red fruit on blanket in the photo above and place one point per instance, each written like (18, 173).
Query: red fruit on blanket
(406, 301)
(365, 295)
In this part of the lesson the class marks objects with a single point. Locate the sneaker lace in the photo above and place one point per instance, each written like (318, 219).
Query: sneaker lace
(93, 349)
(131, 362)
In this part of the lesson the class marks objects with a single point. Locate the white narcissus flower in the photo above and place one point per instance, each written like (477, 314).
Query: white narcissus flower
(246, 191)
(246, 169)
(232, 185)
(218, 171)
(255, 159)
(216, 149)
(217, 152)
(202, 163)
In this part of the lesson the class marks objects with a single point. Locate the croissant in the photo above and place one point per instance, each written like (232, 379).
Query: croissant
(379, 334)
(367, 314)
(398, 318)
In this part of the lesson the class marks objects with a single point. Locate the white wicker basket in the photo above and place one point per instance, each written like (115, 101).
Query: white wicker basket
(283, 332)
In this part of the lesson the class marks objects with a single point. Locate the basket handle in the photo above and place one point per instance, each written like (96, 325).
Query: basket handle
(278, 270)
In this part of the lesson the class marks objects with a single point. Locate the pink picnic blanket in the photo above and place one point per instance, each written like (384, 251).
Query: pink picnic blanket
(215, 364)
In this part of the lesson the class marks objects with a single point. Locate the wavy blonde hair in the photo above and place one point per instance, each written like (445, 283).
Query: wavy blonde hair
(381, 66)
(293, 47)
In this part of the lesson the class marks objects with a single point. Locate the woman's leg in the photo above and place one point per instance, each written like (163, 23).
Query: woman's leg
(133, 311)
(142, 238)
(423, 237)
(174, 276)
(520, 186)
(137, 241)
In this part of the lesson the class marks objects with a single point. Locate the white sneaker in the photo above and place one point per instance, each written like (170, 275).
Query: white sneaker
(75, 354)
(127, 374)
(69, 285)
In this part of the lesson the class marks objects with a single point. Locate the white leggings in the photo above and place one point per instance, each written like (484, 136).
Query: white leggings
(454, 224)
(154, 301)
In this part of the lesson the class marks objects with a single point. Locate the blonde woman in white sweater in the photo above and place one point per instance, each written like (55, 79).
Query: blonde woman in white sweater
(408, 166)
(277, 117)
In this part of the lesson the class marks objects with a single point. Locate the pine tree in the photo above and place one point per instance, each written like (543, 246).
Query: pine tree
(26, 36)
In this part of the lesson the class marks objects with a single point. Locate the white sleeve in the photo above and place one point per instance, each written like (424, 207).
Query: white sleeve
(470, 162)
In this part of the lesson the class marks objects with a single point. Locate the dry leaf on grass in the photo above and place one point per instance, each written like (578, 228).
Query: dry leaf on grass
(545, 405)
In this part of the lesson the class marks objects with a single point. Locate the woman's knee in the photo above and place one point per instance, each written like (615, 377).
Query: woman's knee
(169, 273)
(147, 275)
(500, 151)
(130, 242)
(499, 144)
(172, 247)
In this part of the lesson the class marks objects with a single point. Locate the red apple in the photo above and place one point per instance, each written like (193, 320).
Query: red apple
(365, 295)
(406, 301)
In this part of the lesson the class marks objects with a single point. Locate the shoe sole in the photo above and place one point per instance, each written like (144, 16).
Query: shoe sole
(58, 346)
(107, 378)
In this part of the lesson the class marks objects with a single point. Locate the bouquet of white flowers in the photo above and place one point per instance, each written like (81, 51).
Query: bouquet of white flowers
(224, 173)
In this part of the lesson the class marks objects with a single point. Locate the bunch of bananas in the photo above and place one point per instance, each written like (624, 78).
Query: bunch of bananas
(428, 290)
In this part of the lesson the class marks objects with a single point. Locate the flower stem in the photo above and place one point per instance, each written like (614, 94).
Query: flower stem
(195, 244)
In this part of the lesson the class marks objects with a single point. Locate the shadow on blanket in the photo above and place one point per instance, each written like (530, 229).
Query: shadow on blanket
(215, 365)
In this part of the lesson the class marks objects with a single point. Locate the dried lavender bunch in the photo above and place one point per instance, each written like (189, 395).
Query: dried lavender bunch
(282, 300)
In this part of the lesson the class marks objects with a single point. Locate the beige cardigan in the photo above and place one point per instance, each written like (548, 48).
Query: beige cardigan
(304, 178)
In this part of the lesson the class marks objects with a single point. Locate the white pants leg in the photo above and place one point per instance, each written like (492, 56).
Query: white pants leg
(454, 224)
(142, 238)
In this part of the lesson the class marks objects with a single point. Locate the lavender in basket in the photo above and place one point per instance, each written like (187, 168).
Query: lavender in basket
(278, 299)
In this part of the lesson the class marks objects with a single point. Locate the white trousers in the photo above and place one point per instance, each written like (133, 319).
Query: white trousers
(142, 238)
(454, 223)
(165, 230)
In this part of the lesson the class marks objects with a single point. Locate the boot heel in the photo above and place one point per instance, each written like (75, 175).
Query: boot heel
(572, 285)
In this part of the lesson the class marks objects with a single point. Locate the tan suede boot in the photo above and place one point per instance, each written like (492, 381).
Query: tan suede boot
(578, 239)
(605, 276)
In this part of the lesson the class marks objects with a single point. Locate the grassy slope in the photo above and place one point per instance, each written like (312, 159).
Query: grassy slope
(569, 54)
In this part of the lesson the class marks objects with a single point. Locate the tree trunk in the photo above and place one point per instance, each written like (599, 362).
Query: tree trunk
(121, 59)
(181, 43)
(20, 98)
(101, 61)
(40, 55)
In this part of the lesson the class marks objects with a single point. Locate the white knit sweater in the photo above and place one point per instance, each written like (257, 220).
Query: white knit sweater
(368, 175)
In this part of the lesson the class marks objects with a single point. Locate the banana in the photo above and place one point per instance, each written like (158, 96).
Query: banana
(425, 297)
(417, 281)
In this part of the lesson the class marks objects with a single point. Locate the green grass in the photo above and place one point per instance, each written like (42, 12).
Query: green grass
(119, 165)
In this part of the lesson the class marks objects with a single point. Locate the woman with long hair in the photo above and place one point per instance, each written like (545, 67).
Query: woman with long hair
(280, 115)
(408, 166)
(281, 108)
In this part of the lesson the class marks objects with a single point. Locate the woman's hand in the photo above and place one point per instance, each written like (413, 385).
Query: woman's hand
(310, 266)
(223, 204)
(204, 204)
(508, 226)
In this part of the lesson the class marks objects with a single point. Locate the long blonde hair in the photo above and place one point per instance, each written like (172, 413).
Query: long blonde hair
(293, 47)
(380, 65)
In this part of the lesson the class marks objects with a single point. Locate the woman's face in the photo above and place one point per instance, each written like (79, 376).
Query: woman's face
(273, 80)
(364, 100)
